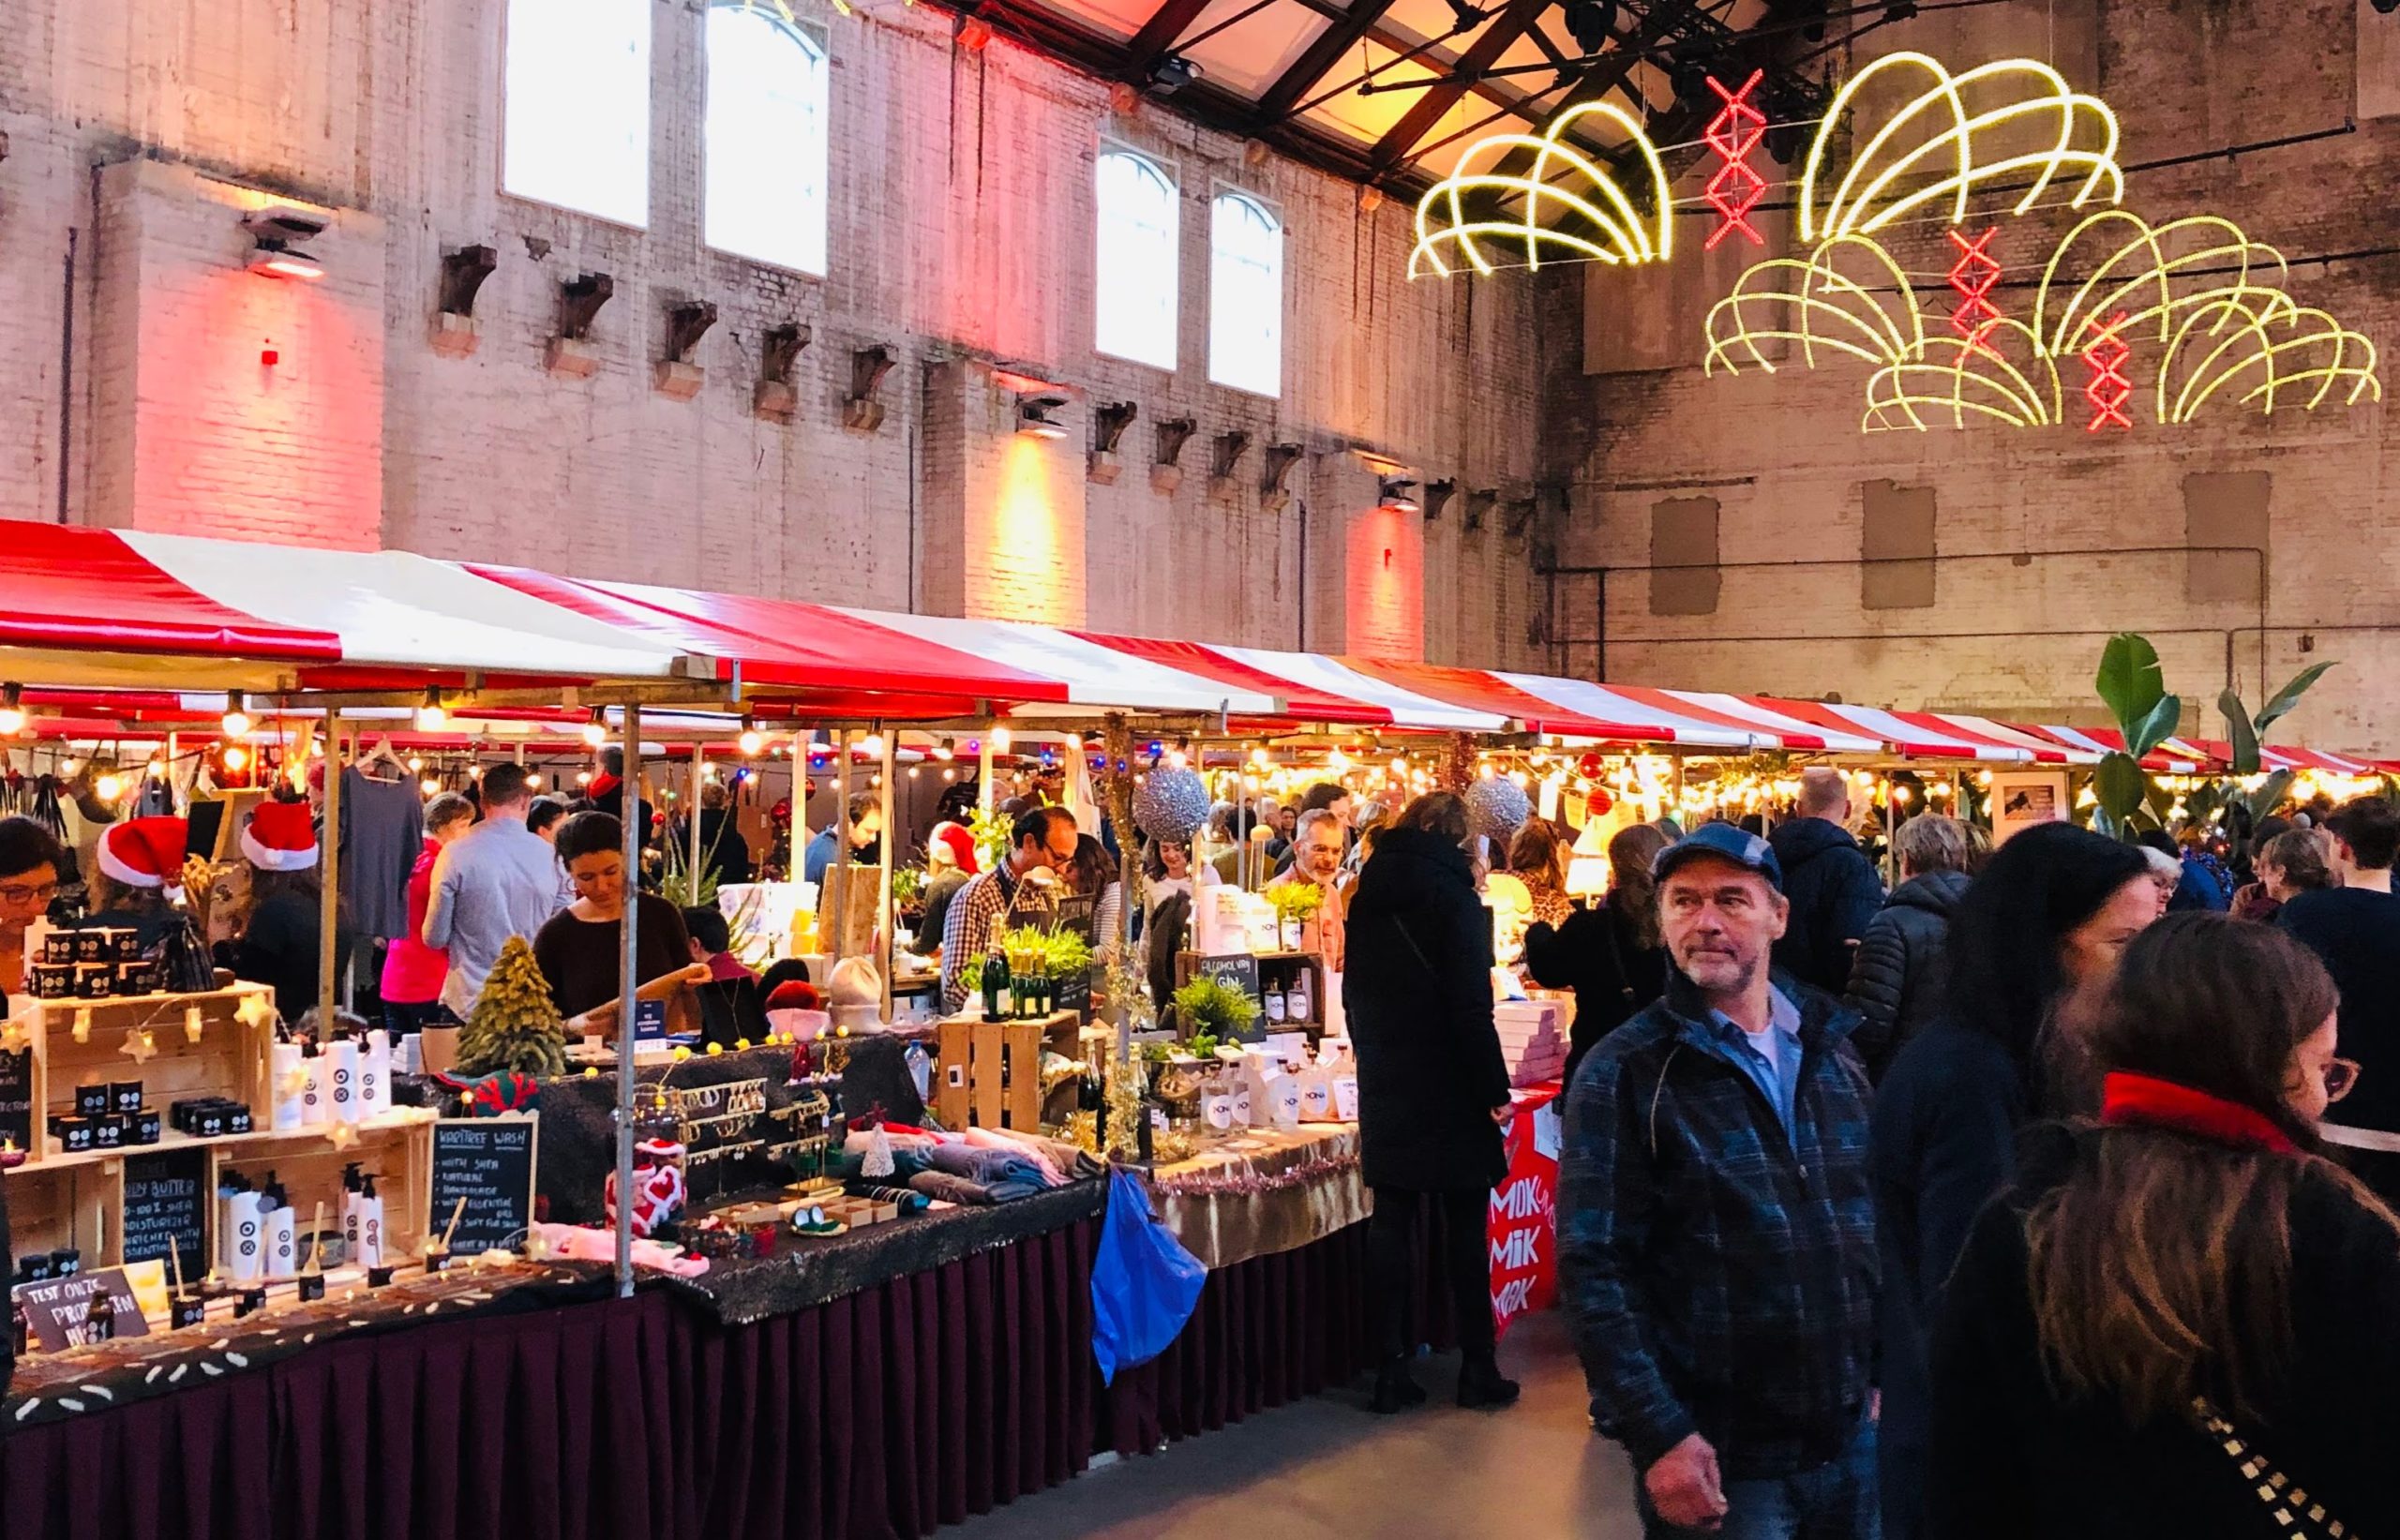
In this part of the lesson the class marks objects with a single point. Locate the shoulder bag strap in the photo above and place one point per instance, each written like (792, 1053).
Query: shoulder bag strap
(2292, 1512)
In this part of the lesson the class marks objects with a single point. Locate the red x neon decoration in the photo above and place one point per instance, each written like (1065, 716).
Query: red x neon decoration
(2109, 390)
(1734, 133)
(1973, 276)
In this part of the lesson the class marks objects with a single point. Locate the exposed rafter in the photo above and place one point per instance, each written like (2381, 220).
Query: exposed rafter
(1159, 35)
(1498, 35)
(1336, 39)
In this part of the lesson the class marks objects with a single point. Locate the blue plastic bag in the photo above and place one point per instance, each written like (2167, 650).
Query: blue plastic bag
(1144, 1284)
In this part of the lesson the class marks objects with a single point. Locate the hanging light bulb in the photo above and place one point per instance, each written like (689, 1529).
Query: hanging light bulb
(433, 716)
(582, 778)
(110, 787)
(946, 750)
(12, 709)
(416, 763)
(999, 741)
(871, 745)
(69, 765)
(428, 785)
(752, 739)
(596, 732)
(237, 757)
(237, 720)
(534, 782)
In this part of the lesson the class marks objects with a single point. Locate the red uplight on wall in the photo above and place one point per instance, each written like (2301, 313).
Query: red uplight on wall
(287, 264)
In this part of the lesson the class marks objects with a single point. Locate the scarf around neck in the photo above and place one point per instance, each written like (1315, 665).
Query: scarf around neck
(2147, 1102)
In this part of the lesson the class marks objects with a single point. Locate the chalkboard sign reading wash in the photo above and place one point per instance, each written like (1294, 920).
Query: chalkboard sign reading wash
(490, 1162)
(166, 1205)
(17, 1096)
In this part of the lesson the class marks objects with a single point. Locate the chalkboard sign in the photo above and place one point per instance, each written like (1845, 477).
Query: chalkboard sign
(1238, 971)
(166, 1205)
(490, 1162)
(17, 1096)
(56, 1308)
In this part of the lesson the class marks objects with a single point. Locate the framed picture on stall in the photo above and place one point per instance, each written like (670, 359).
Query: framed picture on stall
(2021, 799)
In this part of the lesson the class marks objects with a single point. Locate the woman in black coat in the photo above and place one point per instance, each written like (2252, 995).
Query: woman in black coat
(2048, 915)
(1433, 1086)
(1610, 956)
(2179, 1325)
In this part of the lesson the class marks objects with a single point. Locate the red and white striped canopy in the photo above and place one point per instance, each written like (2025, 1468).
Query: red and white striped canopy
(106, 611)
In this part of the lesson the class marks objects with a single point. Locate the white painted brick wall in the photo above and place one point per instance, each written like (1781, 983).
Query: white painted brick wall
(961, 226)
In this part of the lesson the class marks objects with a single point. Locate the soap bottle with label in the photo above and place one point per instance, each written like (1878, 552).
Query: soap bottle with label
(282, 1225)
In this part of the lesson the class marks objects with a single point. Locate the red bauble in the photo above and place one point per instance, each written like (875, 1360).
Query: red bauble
(1589, 767)
(1599, 803)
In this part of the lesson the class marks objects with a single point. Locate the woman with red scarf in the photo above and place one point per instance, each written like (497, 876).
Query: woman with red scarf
(2185, 1321)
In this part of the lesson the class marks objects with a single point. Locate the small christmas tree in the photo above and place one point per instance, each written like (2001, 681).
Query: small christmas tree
(514, 1024)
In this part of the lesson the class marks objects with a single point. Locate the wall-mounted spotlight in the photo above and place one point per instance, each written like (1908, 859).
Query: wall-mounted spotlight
(1173, 74)
(1397, 493)
(275, 233)
(1036, 416)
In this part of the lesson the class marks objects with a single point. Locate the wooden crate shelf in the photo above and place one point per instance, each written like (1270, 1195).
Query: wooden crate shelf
(1274, 968)
(58, 1199)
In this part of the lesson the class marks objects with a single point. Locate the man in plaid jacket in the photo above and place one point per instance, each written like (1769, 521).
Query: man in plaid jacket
(1717, 1234)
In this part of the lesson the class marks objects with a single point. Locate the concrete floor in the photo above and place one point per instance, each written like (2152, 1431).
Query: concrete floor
(1327, 1469)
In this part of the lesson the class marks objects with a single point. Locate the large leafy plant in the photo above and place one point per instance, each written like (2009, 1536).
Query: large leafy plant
(2134, 688)
(2245, 730)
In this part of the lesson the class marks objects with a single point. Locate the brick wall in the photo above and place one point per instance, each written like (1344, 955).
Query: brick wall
(2048, 539)
(961, 229)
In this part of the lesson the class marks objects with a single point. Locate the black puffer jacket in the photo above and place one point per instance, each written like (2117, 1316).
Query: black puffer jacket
(1893, 982)
(1598, 954)
(1417, 986)
(1833, 892)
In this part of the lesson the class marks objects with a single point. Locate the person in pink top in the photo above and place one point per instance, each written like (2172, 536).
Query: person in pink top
(412, 971)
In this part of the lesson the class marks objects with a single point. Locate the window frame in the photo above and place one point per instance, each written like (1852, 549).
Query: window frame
(810, 33)
(649, 135)
(1172, 174)
(1220, 190)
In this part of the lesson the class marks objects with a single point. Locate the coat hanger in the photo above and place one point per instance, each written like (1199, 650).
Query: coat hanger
(382, 753)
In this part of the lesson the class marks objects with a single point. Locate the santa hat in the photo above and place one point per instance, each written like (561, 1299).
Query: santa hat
(280, 837)
(962, 843)
(145, 852)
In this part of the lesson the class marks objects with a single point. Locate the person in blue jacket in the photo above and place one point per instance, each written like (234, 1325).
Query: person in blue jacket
(1831, 886)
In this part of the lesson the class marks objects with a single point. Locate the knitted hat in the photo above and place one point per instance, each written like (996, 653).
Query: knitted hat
(962, 843)
(145, 852)
(280, 837)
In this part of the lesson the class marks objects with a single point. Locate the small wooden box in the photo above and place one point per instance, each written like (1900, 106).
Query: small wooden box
(989, 1073)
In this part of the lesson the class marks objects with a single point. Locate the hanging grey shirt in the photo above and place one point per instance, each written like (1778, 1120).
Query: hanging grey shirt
(382, 830)
(497, 880)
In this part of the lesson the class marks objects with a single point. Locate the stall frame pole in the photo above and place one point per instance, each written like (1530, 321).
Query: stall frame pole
(329, 873)
(692, 818)
(836, 885)
(983, 769)
(627, 982)
(885, 948)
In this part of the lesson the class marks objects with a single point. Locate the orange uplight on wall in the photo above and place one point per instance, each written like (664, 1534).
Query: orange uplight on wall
(1383, 589)
(1028, 540)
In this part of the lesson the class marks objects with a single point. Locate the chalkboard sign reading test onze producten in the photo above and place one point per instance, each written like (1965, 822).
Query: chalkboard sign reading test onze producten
(490, 1162)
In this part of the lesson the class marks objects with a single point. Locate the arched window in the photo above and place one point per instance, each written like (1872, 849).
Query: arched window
(1245, 294)
(764, 193)
(1135, 304)
(575, 112)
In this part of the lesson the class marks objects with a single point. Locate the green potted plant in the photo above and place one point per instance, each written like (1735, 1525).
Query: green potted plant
(1296, 904)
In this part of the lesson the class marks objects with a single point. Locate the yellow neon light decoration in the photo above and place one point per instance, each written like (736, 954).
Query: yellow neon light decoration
(1604, 226)
(2021, 91)
(2205, 299)
(1816, 305)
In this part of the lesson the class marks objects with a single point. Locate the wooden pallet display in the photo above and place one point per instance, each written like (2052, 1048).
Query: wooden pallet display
(968, 1079)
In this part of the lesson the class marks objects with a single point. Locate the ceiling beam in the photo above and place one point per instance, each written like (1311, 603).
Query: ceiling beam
(1498, 35)
(1156, 39)
(1337, 38)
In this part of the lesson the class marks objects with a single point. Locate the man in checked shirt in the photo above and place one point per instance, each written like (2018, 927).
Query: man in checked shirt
(1040, 840)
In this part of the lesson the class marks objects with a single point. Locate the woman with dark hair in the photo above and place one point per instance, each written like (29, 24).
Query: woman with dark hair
(2048, 918)
(1538, 858)
(1433, 1086)
(1610, 956)
(2178, 1325)
(32, 864)
(579, 948)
